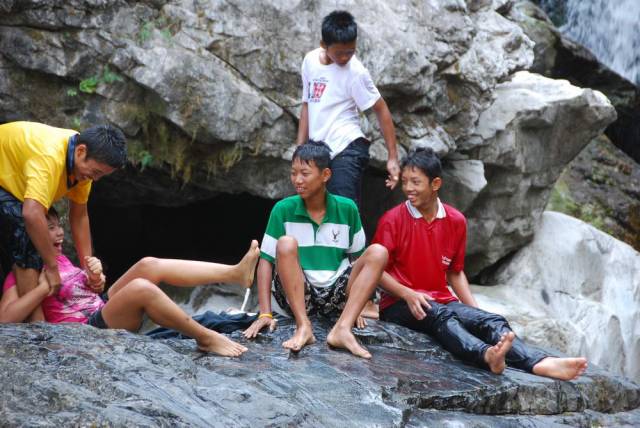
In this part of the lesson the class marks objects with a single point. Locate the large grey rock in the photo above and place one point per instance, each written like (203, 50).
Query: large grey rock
(208, 94)
(576, 289)
(517, 139)
(61, 375)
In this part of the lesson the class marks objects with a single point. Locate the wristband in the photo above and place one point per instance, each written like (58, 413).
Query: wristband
(266, 315)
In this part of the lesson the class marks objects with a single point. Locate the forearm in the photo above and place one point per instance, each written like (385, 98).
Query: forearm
(460, 285)
(385, 120)
(303, 125)
(80, 230)
(35, 221)
(18, 309)
(392, 286)
(264, 275)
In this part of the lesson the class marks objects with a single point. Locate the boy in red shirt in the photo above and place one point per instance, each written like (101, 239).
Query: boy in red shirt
(426, 240)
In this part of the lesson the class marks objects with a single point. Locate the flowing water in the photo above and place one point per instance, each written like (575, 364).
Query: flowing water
(609, 28)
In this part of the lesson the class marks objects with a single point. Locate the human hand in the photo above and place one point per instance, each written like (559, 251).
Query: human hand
(393, 168)
(52, 276)
(417, 302)
(258, 325)
(95, 276)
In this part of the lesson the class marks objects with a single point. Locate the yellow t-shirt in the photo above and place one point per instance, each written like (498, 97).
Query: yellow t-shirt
(33, 163)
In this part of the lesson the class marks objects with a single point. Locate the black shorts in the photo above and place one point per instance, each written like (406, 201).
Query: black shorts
(327, 301)
(13, 234)
(96, 320)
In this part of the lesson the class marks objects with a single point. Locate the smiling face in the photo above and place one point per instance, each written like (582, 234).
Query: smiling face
(56, 233)
(307, 178)
(417, 187)
(88, 169)
(340, 53)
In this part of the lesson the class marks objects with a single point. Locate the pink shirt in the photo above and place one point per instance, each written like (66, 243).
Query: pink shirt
(75, 302)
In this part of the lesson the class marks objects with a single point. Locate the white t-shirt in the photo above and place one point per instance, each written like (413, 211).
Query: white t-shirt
(334, 94)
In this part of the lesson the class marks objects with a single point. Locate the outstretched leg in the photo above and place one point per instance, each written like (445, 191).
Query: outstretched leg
(126, 309)
(292, 279)
(495, 355)
(364, 278)
(190, 273)
(561, 368)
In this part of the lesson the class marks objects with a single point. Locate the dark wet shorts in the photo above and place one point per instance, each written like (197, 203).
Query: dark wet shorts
(327, 301)
(96, 320)
(13, 233)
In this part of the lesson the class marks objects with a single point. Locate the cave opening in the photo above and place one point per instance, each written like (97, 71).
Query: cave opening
(219, 229)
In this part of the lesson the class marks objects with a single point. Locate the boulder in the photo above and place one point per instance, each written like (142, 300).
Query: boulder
(61, 375)
(576, 289)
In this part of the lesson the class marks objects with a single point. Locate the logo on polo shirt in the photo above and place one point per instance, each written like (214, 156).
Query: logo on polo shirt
(335, 234)
(446, 260)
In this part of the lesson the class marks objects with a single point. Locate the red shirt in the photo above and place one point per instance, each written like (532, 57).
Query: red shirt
(421, 253)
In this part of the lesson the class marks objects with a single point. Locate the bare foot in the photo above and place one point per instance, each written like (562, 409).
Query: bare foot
(561, 368)
(370, 310)
(343, 338)
(494, 356)
(247, 266)
(221, 345)
(302, 337)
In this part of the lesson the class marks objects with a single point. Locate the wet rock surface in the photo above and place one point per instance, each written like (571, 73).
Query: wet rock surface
(60, 375)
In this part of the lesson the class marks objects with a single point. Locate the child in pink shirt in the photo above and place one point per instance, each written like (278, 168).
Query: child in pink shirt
(131, 297)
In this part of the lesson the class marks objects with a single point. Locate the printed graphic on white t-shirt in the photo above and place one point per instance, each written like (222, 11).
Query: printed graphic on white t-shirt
(316, 89)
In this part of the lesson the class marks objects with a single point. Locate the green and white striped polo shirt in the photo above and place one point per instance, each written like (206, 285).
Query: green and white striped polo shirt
(323, 249)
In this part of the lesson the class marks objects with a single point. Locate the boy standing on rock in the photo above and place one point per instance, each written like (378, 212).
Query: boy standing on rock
(310, 239)
(335, 86)
(426, 242)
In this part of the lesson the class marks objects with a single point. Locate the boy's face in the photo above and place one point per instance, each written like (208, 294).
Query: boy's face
(56, 233)
(418, 188)
(340, 53)
(88, 169)
(307, 178)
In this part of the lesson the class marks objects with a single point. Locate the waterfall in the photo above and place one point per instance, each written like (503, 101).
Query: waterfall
(609, 28)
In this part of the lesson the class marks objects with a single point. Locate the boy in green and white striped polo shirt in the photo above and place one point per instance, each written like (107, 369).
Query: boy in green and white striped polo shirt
(311, 238)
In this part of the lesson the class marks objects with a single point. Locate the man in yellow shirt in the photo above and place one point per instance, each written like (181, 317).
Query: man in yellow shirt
(40, 164)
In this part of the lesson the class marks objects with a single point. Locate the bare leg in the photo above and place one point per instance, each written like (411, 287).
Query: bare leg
(292, 279)
(190, 273)
(495, 355)
(27, 280)
(561, 368)
(364, 278)
(126, 308)
(370, 310)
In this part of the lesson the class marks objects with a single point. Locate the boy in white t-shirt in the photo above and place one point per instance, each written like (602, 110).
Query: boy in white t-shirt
(335, 86)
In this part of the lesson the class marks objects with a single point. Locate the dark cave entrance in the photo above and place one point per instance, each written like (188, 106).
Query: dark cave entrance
(218, 229)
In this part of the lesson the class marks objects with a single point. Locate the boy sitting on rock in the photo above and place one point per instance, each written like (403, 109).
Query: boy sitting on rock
(426, 242)
(310, 238)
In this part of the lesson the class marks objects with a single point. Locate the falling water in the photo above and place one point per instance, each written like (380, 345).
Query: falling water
(609, 28)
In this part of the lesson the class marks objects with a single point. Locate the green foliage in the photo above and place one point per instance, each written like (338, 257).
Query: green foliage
(90, 84)
(76, 122)
(72, 92)
(145, 160)
(166, 29)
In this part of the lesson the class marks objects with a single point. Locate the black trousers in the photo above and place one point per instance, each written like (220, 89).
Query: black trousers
(465, 331)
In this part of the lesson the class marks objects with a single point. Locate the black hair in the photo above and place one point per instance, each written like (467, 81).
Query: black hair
(426, 160)
(53, 213)
(316, 151)
(105, 144)
(339, 27)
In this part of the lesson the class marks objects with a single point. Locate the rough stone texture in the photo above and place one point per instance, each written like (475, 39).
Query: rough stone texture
(601, 186)
(209, 90)
(558, 57)
(576, 289)
(517, 140)
(61, 375)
